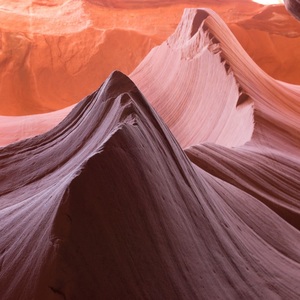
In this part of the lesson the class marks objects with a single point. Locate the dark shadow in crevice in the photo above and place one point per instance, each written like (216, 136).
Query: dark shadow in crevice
(242, 99)
(198, 20)
(58, 292)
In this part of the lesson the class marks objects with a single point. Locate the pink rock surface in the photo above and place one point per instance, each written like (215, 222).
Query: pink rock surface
(108, 205)
(200, 98)
(16, 128)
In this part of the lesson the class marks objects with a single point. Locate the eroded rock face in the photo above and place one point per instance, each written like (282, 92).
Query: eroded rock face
(108, 205)
(53, 53)
(121, 212)
(182, 72)
(50, 56)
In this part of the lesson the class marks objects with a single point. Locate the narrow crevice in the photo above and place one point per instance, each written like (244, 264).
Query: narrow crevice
(242, 99)
(226, 65)
(69, 218)
(198, 20)
(2, 258)
(57, 291)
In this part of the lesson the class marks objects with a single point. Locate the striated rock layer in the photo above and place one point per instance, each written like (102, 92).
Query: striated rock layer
(210, 85)
(122, 213)
(107, 204)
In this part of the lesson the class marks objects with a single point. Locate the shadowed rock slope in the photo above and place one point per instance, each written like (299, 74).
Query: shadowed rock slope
(107, 205)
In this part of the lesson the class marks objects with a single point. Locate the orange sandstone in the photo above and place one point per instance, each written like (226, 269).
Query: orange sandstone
(53, 53)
